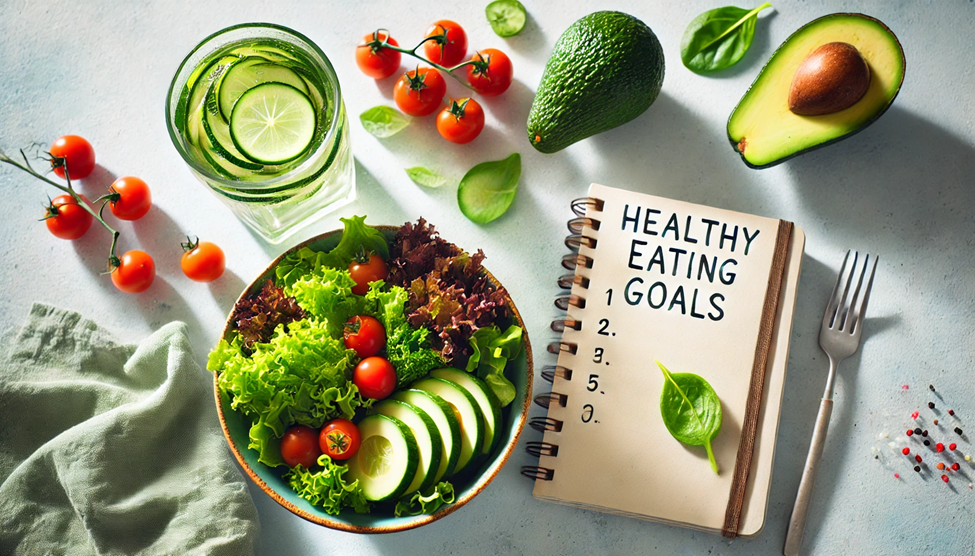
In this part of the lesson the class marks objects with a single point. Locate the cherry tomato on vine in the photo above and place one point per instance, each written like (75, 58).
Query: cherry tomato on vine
(419, 92)
(365, 335)
(375, 377)
(135, 272)
(202, 261)
(129, 198)
(491, 76)
(66, 219)
(446, 51)
(375, 61)
(300, 445)
(78, 154)
(462, 121)
(365, 269)
(339, 439)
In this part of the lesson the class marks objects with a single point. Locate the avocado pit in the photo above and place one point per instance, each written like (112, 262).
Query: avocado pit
(832, 78)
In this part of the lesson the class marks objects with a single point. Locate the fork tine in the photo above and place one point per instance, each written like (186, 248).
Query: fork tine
(849, 322)
(861, 311)
(841, 307)
(833, 299)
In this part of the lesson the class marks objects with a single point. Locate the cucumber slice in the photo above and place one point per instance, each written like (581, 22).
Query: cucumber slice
(273, 123)
(387, 458)
(445, 419)
(194, 106)
(427, 439)
(468, 412)
(218, 132)
(485, 398)
(507, 17)
(249, 73)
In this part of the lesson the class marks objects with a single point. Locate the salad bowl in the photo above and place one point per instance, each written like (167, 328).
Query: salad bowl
(235, 428)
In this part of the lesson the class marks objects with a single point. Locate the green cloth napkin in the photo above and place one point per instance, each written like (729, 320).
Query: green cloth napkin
(108, 448)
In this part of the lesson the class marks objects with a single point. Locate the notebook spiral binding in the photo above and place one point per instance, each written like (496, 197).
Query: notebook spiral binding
(570, 261)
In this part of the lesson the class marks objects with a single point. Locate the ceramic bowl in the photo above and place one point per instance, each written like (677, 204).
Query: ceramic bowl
(235, 428)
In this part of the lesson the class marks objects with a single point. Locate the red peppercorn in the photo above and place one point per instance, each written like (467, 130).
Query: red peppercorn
(935, 421)
(951, 412)
(940, 465)
(955, 466)
(897, 475)
(910, 432)
(915, 414)
(939, 447)
(917, 457)
(952, 446)
(944, 478)
(906, 451)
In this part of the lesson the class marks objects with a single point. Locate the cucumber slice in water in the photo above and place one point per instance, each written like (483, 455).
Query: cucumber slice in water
(218, 132)
(249, 73)
(273, 123)
(387, 458)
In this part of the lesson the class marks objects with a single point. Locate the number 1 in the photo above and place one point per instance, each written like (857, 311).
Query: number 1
(609, 296)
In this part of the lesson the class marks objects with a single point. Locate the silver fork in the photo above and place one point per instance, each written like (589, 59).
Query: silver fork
(839, 337)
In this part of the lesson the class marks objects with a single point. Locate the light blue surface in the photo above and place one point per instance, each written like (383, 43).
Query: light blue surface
(904, 188)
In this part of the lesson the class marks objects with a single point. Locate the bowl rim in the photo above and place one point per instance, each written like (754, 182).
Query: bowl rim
(416, 521)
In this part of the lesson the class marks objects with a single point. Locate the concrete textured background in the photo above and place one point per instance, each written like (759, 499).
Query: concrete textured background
(902, 188)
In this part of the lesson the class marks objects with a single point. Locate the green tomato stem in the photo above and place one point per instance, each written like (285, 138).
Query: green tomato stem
(384, 43)
(113, 259)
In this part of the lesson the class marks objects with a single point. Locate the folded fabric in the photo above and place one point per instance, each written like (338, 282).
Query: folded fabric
(113, 449)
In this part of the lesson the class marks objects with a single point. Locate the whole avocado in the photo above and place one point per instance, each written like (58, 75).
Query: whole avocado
(605, 70)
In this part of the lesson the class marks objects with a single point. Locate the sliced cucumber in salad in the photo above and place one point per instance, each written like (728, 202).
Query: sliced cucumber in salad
(448, 426)
(468, 413)
(273, 123)
(386, 462)
(427, 439)
(486, 400)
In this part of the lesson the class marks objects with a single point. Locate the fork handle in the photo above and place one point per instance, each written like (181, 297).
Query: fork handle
(797, 523)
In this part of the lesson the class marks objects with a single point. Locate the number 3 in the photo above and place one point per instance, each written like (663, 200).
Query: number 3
(598, 357)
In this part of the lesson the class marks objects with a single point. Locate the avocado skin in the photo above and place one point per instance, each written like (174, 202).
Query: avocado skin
(605, 70)
(734, 143)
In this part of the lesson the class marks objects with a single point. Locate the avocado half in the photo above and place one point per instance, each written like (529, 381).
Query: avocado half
(762, 128)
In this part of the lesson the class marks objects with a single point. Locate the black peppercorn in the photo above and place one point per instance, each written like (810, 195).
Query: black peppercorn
(931, 386)
(930, 405)
(917, 468)
(927, 442)
(918, 430)
(958, 430)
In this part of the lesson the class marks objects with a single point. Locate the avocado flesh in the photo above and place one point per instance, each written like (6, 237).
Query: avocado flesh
(763, 129)
(605, 70)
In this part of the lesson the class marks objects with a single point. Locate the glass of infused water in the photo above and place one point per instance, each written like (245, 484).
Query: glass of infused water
(256, 111)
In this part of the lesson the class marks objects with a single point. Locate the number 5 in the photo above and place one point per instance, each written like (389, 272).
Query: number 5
(593, 384)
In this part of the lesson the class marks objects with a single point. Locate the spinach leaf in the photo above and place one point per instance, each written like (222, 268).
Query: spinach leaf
(488, 189)
(426, 178)
(691, 410)
(383, 121)
(718, 38)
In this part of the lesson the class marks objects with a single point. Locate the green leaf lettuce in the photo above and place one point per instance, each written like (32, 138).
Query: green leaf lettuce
(492, 351)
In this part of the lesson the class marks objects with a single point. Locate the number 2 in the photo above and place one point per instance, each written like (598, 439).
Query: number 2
(603, 325)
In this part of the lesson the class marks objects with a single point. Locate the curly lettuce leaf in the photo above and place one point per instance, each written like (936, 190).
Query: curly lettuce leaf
(427, 502)
(328, 487)
(407, 348)
(492, 349)
(256, 316)
(300, 376)
(326, 294)
(356, 235)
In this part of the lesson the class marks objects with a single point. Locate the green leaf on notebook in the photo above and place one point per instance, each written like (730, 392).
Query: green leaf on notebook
(691, 410)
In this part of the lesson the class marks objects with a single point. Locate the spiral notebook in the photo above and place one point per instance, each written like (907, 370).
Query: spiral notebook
(702, 290)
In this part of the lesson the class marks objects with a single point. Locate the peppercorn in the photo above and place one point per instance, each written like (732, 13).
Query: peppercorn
(930, 405)
(918, 457)
(952, 446)
(935, 421)
(940, 465)
(906, 451)
(958, 431)
(931, 386)
(951, 412)
(927, 442)
(917, 468)
(955, 466)
(917, 430)
(944, 478)
(939, 447)
(924, 433)
(909, 432)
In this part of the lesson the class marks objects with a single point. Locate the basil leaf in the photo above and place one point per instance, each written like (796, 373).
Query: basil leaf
(383, 121)
(425, 177)
(719, 38)
(488, 189)
(691, 410)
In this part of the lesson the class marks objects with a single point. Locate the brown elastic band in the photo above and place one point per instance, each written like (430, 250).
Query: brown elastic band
(749, 427)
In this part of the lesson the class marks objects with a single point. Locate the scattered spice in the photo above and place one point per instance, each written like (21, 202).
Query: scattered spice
(927, 442)
(909, 432)
(952, 446)
(958, 430)
(968, 457)
(917, 468)
(940, 465)
(935, 421)
(930, 405)
(931, 386)
(955, 466)
(915, 414)
(905, 387)
(944, 478)
(897, 475)
(906, 451)
(924, 433)
(939, 447)
(951, 412)
(918, 458)
(918, 430)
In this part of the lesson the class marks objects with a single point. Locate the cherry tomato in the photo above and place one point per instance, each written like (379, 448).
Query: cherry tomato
(366, 271)
(78, 154)
(300, 445)
(339, 439)
(365, 335)
(462, 121)
(202, 261)
(67, 219)
(420, 95)
(448, 51)
(491, 76)
(133, 198)
(375, 377)
(135, 273)
(375, 61)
